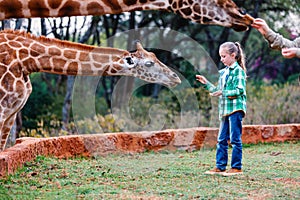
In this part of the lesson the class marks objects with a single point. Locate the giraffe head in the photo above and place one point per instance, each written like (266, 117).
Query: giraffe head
(215, 12)
(145, 65)
(239, 18)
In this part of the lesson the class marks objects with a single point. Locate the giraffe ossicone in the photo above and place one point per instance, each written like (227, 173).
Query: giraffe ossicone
(217, 12)
(23, 54)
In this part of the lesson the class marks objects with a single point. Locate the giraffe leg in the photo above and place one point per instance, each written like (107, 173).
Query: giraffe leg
(10, 105)
(5, 130)
(6, 125)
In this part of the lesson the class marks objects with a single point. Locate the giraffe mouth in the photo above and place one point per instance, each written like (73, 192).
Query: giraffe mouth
(242, 21)
(174, 84)
(174, 81)
(171, 84)
(240, 27)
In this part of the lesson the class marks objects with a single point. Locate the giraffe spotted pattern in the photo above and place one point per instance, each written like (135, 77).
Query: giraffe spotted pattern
(22, 54)
(217, 12)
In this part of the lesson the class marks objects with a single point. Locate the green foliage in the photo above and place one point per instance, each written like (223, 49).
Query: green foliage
(49, 128)
(40, 99)
(42, 111)
(106, 123)
(273, 104)
(101, 106)
(100, 123)
(175, 109)
(266, 104)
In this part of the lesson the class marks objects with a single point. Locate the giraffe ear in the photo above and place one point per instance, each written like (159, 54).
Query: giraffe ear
(140, 51)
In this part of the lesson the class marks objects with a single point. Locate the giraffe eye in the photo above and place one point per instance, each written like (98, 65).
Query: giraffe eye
(149, 63)
(243, 11)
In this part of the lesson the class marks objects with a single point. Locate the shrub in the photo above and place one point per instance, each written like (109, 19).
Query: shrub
(266, 104)
(273, 104)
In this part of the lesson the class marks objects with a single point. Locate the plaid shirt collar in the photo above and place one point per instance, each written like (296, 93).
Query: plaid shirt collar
(231, 67)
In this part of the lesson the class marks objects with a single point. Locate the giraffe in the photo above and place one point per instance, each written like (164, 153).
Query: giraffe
(22, 54)
(217, 12)
(19, 56)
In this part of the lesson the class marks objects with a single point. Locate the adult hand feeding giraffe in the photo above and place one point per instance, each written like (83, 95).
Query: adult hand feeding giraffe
(23, 54)
(289, 48)
(216, 12)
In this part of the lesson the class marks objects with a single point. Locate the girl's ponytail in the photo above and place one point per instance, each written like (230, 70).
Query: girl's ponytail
(240, 56)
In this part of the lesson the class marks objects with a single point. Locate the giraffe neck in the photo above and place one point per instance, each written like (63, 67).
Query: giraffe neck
(62, 8)
(24, 53)
(41, 54)
(217, 12)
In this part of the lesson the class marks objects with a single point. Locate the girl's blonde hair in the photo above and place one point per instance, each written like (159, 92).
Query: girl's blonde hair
(235, 47)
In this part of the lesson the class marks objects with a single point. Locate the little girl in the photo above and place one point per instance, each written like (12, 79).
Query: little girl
(231, 91)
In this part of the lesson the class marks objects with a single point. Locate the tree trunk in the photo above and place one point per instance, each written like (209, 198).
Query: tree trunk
(71, 79)
(128, 83)
(67, 102)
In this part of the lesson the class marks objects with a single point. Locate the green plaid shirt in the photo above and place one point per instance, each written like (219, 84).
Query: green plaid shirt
(233, 96)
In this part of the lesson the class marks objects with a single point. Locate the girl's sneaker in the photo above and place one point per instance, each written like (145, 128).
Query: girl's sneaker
(233, 172)
(215, 171)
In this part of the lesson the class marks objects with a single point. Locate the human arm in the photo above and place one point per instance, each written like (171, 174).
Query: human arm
(277, 41)
(207, 85)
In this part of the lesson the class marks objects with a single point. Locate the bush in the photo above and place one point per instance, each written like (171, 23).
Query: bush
(266, 104)
(273, 104)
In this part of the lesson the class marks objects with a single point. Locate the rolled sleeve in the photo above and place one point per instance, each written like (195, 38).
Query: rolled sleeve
(277, 41)
(210, 87)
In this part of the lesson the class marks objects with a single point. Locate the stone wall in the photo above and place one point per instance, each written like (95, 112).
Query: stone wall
(26, 149)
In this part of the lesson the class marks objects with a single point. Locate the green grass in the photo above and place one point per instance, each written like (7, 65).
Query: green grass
(271, 171)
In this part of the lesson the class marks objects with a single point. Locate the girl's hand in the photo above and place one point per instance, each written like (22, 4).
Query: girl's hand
(260, 25)
(289, 52)
(201, 79)
(216, 94)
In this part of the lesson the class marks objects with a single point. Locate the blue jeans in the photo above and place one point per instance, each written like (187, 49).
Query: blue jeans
(230, 129)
